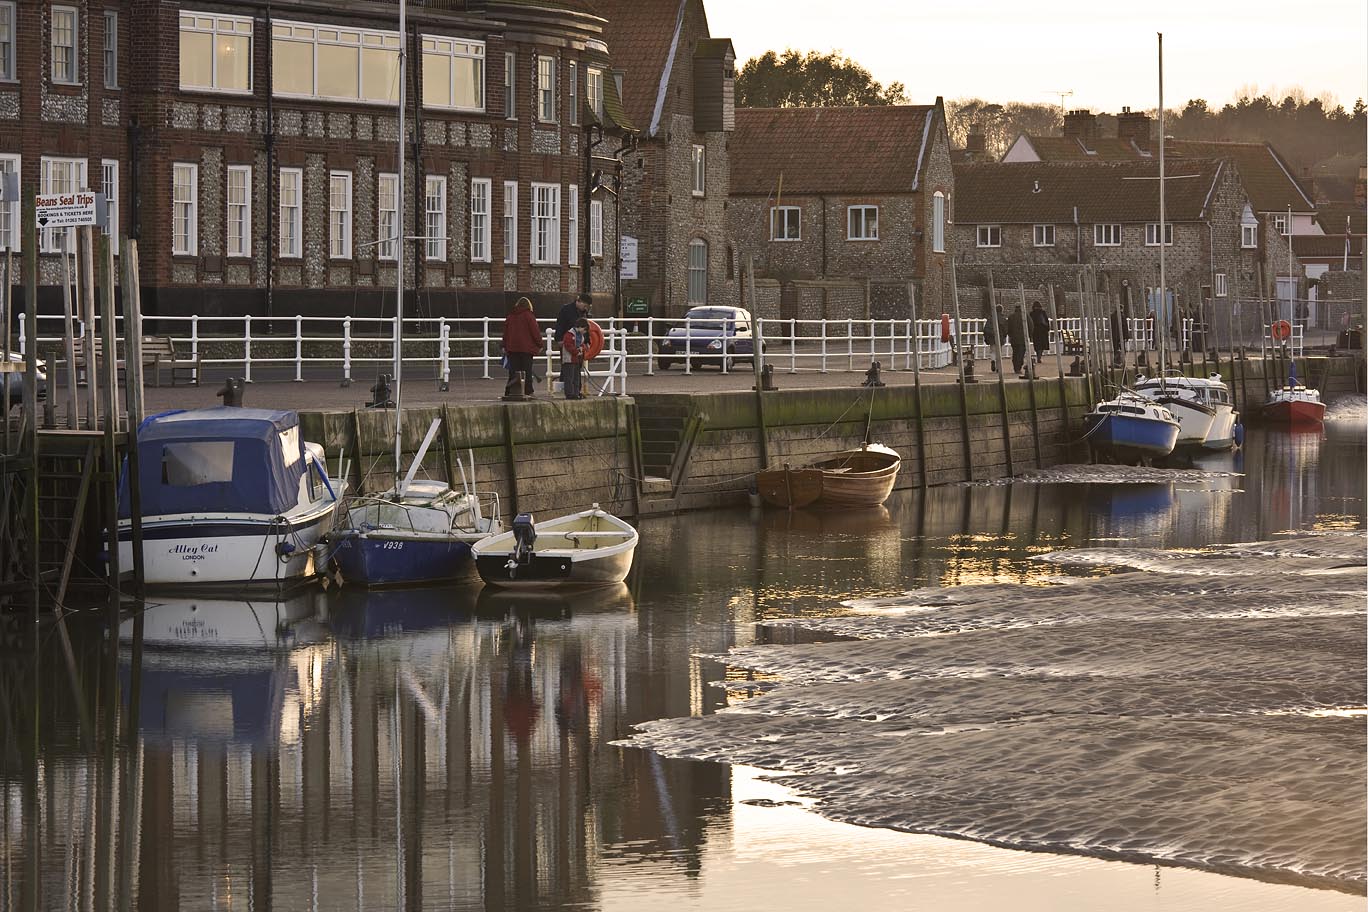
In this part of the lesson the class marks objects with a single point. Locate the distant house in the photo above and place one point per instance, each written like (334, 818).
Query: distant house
(1278, 203)
(1038, 222)
(854, 197)
(678, 88)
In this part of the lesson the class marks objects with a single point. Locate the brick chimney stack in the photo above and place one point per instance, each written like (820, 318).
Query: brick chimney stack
(1135, 127)
(975, 143)
(1081, 125)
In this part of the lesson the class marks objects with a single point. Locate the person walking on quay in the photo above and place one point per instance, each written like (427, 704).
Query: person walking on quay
(1016, 334)
(996, 330)
(1040, 330)
(572, 359)
(522, 341)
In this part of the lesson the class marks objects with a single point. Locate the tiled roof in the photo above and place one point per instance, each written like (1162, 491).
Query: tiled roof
(1325, 246)
(640, 35)
(1332, 217)
(828, 150)
(1047, 192)
(1270, 186)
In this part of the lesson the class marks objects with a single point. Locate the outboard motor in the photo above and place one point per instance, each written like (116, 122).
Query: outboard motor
(525, 540)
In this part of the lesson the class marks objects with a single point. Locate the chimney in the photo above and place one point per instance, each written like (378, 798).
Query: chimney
(975, 143)
(1135, 127)
(1081, 125)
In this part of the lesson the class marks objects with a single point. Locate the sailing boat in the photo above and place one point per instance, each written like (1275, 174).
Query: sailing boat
(417, 531)
(1294, 405)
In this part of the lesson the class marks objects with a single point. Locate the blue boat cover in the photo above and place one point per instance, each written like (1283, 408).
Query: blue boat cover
(218, 460)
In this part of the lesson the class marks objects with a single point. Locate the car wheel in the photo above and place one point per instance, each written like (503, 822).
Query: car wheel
(665, 364)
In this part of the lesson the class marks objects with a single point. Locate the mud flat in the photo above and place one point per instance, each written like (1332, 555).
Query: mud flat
(1202, 709)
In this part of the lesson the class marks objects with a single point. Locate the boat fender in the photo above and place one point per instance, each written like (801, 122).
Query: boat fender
(594, 344)
(1238, 433)
(284, 549)
(945, 327)
(1282, 330)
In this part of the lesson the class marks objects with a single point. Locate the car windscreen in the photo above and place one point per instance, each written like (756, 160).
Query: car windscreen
(707, 319)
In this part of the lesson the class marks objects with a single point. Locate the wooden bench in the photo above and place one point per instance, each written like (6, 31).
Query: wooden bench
(1072, 344)
(157, 352)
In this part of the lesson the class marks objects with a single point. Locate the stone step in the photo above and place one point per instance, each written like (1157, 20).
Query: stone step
(654, 485)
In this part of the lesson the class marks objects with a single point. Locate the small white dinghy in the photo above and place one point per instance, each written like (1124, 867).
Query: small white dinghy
(590, 548)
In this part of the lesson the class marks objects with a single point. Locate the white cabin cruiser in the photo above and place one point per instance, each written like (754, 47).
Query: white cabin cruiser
(229, 496)
(1201, 404)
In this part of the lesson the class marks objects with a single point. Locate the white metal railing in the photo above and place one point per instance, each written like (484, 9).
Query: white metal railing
(359, 345)
(1294, 342)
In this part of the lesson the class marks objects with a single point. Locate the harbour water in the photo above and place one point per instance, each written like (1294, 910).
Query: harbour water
(460, 748)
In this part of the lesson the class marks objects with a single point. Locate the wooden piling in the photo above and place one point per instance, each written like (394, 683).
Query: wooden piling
(963, 389)
(1001, 372)
(1059, 361)
(916, 384)
(110, 363)
(73, 416)
(30, 249)
(86, 280)
(510, 460)
(133, 395)
(1030, 386)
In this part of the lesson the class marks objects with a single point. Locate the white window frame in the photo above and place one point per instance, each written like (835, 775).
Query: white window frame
(238, 228)
(572, 77)
(510, 221)
(988, 236)
(593, 90)
(1249, 235)
(692, 272)
(1220, 285)
(1107, 234)
(79, 180)
(479, 219)
(387, 216)
(109, 189)
(8, 16)
(596, 229)
(864, 233)
(698, 158)
(315, 36)
(1043, 235)
(434, 218)
(74, 61)
(546, 221)
(10, 231)
(221, 24)
(938, 222)
(546, 89)
(779, 218)
(510, 82)
(572, 220)
(1282, 225)
(185, 209)
(111, 49)
(456, 49)
(339, 217)
(291, 213)
(1152, 234)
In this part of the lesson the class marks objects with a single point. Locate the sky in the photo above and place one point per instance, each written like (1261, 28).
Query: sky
(1101, 50)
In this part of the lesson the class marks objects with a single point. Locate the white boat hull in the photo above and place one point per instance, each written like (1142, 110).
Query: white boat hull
(1222, 433)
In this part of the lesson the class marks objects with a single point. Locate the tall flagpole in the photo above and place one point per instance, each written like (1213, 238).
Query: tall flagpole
(399, 251)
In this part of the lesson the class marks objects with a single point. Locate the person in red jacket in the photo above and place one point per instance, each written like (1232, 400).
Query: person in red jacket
(522, 341)
(572, 359)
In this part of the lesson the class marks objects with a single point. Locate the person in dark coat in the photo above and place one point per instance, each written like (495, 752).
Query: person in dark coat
(522, 341)
(1016, 334)
(1040, 330)
(995, 334)
(571, 314)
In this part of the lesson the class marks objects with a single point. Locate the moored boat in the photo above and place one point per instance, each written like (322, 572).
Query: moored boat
(1187, 400)
(856, 478)
(1294, 405)
(1131, 427)
(592, 547)
(229, 497)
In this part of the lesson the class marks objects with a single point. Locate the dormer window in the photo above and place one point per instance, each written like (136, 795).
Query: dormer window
(1249, 235)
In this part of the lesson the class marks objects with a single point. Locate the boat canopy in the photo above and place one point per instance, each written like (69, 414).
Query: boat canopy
(218, 460)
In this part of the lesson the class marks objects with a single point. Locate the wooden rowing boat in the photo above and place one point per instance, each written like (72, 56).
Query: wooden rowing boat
(855, 478)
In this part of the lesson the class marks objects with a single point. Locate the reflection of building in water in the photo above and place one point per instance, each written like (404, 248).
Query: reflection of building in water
(428, 754)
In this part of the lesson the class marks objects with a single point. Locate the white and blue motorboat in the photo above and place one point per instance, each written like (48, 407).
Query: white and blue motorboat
(1131, 428)
(229, 497)
(1202, 405)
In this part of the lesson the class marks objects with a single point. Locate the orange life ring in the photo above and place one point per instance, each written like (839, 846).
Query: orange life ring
(595, 343)
(1282, 331)
(945, 327)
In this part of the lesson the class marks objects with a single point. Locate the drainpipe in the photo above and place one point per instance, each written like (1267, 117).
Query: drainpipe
(135, 220)
(271, 251)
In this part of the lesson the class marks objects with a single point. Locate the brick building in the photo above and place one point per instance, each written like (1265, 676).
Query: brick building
(678, 89)
(1037, 223)
(251, 146)
(845, 196)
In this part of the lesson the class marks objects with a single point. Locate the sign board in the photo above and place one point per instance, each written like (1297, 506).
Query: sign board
(638, 307)
(628, 247)
(66, 210)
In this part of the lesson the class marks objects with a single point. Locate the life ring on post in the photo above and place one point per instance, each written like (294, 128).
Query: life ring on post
(945, 327)
(1282, 331)
(594, 345)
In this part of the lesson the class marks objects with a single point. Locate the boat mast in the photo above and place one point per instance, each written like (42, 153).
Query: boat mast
(399, 258)
(1163, 296)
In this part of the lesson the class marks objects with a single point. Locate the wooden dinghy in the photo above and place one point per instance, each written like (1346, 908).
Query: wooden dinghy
(855, 478)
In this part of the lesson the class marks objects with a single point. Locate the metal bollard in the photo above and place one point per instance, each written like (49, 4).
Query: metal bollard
(232, 392)
(380, 393)
(872, 375)
(766, 380)
(513, 391)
